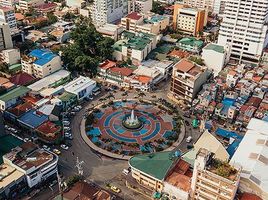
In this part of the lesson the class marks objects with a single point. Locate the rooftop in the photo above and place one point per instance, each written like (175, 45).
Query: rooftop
(134, 16)
(66, 96)
(124, 71)
(6, 9)
(22, 79)
(20, 109)
(184, 65)
(48, 129)
(43, 56)
(107, 64)
(8, 175)
(29, 156)
(215, 47)
(49, 80)
(33, 119)
(156, 165)
(191, 41)
(15, 93)
(79, 84)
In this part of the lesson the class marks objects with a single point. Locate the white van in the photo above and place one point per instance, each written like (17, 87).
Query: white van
(189, 139)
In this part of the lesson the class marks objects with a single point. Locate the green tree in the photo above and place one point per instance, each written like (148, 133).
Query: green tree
(51, 18)
(68, 16)
(158, 8)
(86, 64)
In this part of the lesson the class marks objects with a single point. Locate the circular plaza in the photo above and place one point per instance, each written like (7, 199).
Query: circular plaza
(131, 127)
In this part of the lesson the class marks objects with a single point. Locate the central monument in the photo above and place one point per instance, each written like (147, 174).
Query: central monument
(132, 122)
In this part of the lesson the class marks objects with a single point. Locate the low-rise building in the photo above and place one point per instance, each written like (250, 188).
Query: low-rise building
(58, 78)
(189, 20)
(190, 44)
(25, 5)
(253, 160)
(12, 97)
(134, 46)
(41, 63)
(212, 178)
(187, 80)
(220, 55)
(148, 23)
(76, 3)
(81, 87)
(11, 56)
(110, 30)
(36, 164)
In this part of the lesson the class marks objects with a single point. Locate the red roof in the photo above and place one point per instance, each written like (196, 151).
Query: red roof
(184, 65)
(22, 79)
(248, 196)
(6, 9)
(134, 16)
(122, 71)
(107, 64)
(48, 128)
(47, 6)
(20, 109)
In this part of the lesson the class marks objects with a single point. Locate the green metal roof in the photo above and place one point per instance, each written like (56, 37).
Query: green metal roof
(215, 47)
(15, 93)
(67, 96)
(156, 165)
(191, 41)
(15, 67)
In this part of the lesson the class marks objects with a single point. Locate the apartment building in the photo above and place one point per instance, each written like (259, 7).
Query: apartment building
(25, 5)
(189, 20)
(134, 46)
(187, 79)
(41, 63)
(7, 15)
(147, 23)
(8, 3)
(206, 4)
(244, 28)
(111, 30)
(5, 37)
(218, 7)
(36, 164)
(213, 179)
(141, 6)
(108, 11)
(11, 56)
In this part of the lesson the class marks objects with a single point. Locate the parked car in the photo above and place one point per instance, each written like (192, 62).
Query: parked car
(125, 171)
(115, 189)
(65, 147)
(45, 147)
(26, 139)
(189, 139)
(65, 128)
(56, 151)
(67, 123)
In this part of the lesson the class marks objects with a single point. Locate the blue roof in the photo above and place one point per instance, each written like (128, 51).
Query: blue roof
(33, 119)
(43, 56)
(232, 147)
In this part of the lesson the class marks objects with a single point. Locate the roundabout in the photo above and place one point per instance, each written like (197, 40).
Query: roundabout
(131, 127)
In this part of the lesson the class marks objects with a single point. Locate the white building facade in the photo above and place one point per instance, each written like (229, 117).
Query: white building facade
(7, 15)
(244, 28)
(108, 11)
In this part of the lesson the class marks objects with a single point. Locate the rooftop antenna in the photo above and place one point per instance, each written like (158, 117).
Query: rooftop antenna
(79, 166)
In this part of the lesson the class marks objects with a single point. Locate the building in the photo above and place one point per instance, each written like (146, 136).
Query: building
(82, 87)
(25, 5)
(5, 37)
(206, 4)
(150, 170)
(11, 180)
(190, 44)
(140, 6)
(11, 56)
(58, 78)
(36, 164)
(76, 3)
(7, 15)
(218, 7)
(134, 46)
(41, 63)
(189, 20)
(212, 178)
(46, 7)
(187, 79)
(253, 160)
(108, 11)
(12, 97)
(8, 3)
(111, 30)
(149, 23)
(220, 55)
(244, 28)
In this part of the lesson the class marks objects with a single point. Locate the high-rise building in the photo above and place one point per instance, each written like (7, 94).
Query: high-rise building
(244, 28)
(8, 3)
(212, 178)
(218, 7)
(5, 37)
(7, 15)
(141, 6)
(108, 11)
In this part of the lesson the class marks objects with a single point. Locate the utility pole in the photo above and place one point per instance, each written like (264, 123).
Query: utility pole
(79, 167)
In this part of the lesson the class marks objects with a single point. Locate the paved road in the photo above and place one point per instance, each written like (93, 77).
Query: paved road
(98, 168)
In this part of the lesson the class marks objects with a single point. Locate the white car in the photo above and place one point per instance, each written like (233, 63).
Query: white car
(27, 139)
(66, 123)
(45, 147)
(65, 147)
(189, 139)
(66, 128)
